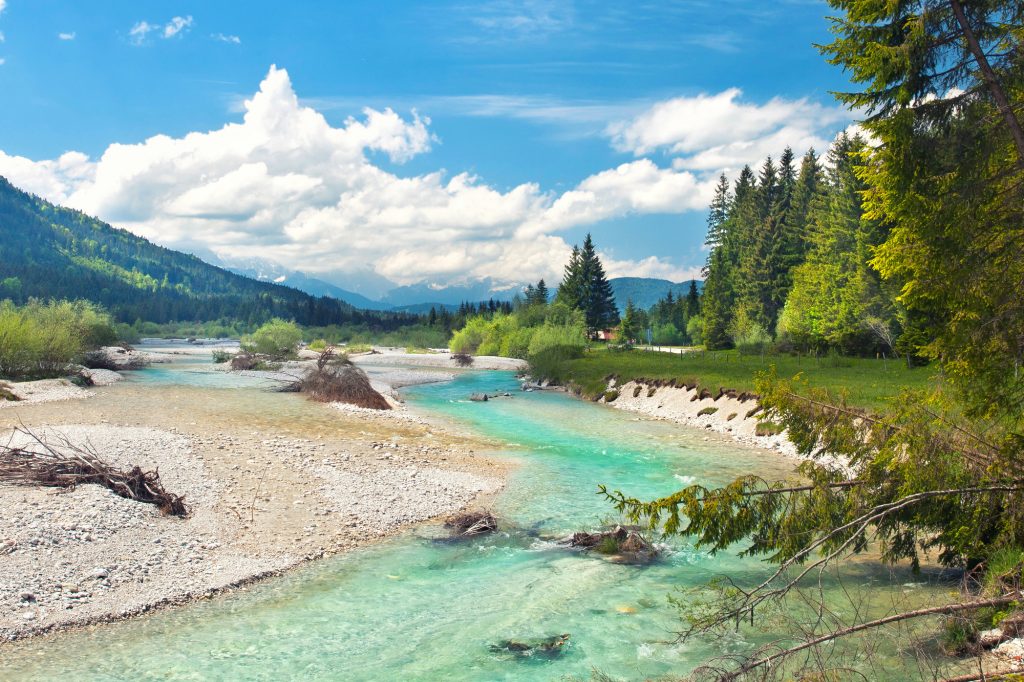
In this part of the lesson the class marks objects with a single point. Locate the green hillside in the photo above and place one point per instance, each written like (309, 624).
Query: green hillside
(646, 291)
(47, 251)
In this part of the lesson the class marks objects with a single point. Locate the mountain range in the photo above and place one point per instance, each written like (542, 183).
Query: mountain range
(47, 251)
(420, 298)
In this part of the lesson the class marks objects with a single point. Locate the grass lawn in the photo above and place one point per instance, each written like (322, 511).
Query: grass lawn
(868, 383)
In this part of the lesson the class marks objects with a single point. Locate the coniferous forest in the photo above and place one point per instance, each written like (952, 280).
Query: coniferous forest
(791, 260)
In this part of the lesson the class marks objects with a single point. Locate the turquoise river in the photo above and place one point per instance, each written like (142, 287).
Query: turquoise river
(414, 608)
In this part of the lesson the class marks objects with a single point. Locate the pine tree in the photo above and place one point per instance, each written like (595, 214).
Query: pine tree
(529, 294)
(586, 288)
(570, 291)
(629, 328)
(598, 301)
(717, 215)
(541, 292)
(692, 301)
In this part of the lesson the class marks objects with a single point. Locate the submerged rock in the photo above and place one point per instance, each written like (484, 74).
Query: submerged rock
(479, 397)
(549, 647)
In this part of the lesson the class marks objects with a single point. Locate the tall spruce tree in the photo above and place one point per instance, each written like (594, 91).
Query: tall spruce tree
(542, 293)
(718, 213)
(692, 301)
(585, 287)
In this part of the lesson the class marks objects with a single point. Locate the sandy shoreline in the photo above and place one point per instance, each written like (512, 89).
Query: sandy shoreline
(274, 481)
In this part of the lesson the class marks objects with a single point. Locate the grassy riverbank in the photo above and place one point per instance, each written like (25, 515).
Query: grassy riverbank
(868, 383)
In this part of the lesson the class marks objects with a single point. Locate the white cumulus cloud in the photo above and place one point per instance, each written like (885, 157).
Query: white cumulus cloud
(710, 133)
(234, 40)
(66, 36)
(286, 185)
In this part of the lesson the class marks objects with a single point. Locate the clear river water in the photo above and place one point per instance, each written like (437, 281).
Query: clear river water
(414, 608)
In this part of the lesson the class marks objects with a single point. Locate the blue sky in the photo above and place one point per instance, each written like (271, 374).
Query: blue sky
(412, 141)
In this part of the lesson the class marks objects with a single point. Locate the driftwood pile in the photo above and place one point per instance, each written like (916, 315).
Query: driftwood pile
(336, 380)
(469, 524)
(67, 465)
(622, 544)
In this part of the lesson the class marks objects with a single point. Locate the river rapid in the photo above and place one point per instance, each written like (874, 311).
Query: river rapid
(417, 608)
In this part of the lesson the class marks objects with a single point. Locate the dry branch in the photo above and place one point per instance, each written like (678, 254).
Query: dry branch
(68, 465)
(472, 523)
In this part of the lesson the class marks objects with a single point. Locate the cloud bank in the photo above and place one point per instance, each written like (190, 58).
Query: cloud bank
(285, 185)
(711, 133)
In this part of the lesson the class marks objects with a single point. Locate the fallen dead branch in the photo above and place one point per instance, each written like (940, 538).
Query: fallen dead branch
(67, 465)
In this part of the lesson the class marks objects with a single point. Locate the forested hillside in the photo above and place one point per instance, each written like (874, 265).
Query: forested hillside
(47, 251)
(646, 292)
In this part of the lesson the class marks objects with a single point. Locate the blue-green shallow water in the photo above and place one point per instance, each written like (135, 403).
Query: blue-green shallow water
(416, 609)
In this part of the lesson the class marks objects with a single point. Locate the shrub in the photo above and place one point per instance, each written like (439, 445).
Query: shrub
(277, 338)
(551, 347)
(41, 339)
(707, 410)
(610, 396)
(752, 340)
(463, 359)
(768, 429)
(221, 356)
(667, 335)
(695, 330)
(469, 338)
(318, 345)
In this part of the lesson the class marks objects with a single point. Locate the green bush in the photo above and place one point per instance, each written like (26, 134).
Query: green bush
(277, 338)
(753, 340)
(41, 339)
(318, 345)
(695, 330)
(469, 338)
(667, 335)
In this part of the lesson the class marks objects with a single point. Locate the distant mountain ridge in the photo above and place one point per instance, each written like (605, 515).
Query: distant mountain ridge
(266, 271)
(646, 291)
(47, 251)
(420, 298)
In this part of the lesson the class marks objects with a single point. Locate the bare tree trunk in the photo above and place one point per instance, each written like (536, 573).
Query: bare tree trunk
(991, 81)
